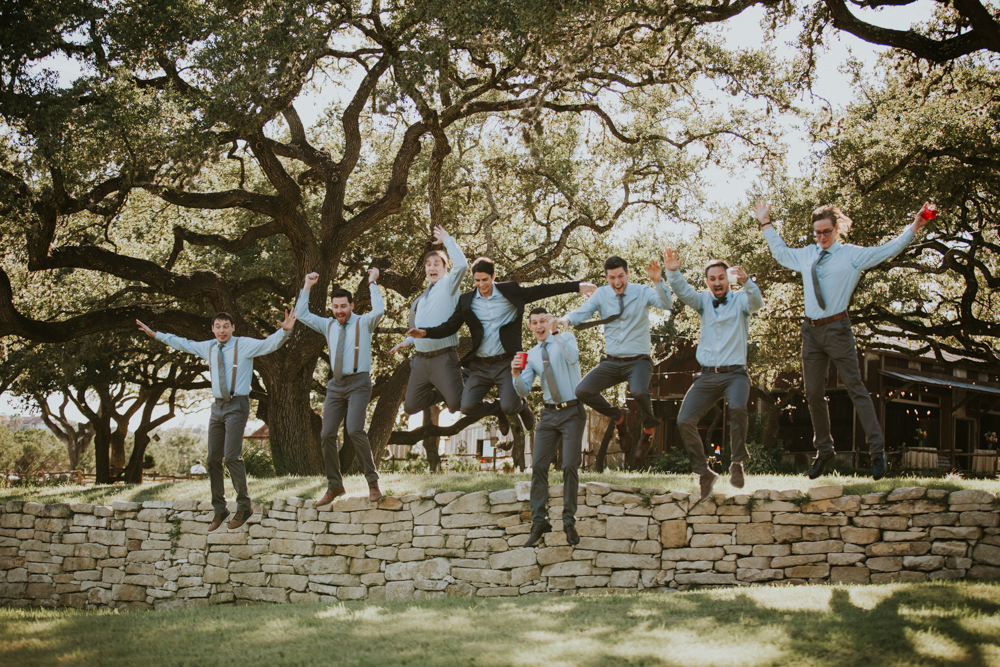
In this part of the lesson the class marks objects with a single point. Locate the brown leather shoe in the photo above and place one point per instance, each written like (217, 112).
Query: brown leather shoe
(707, 482)
(624, 438)
(644, 443)
(217, 521)
(330, 495)
(240, 519)
(736, 475)
(374, 494)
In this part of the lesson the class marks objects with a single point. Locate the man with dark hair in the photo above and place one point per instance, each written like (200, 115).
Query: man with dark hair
(349, 337)
(830, 271)
(435, 372)
(556, 360)
(624, 309)
(493, 313)
(722, 353)
(230, 364)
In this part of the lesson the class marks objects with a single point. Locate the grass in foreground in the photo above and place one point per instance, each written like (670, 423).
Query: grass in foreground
(265, 490)
(837, 626)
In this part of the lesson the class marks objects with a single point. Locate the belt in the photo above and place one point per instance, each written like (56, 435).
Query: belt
(826, 320)
(638, 356)
(723, 369)
(222, 400)
(493, 360)
(435, 353)
(561, 406)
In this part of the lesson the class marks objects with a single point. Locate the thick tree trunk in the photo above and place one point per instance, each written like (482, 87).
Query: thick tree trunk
(102, 453)
(293, 426)
(133, 471)
(387, 410)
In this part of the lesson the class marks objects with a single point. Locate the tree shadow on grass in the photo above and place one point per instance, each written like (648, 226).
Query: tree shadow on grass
(936, 625)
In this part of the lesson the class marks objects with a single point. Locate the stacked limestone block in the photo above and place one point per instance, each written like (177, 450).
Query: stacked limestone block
(160, 554)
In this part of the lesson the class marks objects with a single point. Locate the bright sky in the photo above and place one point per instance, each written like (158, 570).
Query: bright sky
(726, 188)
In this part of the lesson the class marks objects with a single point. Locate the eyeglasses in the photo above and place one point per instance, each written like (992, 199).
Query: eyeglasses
(824, 232)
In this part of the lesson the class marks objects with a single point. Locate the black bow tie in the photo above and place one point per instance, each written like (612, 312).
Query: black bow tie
(716, 302)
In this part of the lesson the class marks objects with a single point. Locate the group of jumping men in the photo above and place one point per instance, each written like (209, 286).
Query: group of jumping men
(494, 311)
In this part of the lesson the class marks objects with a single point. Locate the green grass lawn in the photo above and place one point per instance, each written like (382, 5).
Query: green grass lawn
(901, 624)
(264, 490)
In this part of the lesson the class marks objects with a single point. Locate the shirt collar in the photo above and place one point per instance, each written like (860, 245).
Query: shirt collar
(834, 247)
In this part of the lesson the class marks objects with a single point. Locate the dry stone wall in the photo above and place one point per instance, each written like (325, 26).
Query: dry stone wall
(161, 555)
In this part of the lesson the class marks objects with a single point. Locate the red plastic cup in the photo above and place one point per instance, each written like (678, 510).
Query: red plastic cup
(928, 213)
(522, 360)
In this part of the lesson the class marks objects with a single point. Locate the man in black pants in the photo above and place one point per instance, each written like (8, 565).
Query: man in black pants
(493, 312)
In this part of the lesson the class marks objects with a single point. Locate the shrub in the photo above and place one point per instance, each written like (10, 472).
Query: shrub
(674, 461)
(258, 462)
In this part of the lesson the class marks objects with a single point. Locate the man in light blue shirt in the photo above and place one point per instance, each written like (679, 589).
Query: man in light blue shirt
(349, 337)
(722, 353)
(435, 372)
(230, 364)
(556, 360)
(830, 271)
(624, 309)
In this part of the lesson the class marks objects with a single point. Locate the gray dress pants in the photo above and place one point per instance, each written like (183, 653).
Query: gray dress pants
(608, 373)
(347, 398)
(434, 379)
(707, 389)
(567, 426)
(226, 424)
(482, 377)
(821, 345)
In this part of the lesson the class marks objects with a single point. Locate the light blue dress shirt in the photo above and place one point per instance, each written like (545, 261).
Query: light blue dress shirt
(436, 304)
(838, 272)
(208, 350)
(332, 333)
(564, 359)
(724, 329)
(628, 336)
(493, 312)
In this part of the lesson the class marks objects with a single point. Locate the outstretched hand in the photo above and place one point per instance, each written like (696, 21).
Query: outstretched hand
(289, 321)
(672, 259)
(762, 209)
(399, 347)
(741, 274)
(919, 220)
(654, 271)
(416, 333)
(587, 288)
(149, 332)
(440, 234)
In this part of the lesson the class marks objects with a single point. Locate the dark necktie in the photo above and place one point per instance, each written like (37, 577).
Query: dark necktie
(621, 309)
(222, 378)
(815, 275)
(716, 302)
(550, 377)
(338, 364)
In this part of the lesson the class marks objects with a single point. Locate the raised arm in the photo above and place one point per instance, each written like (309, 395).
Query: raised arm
(754, 299)
(659, 297)
(866, 258)
(314, 322)
(586, 309)
(256, 347)
(672, 263)
(568, 344)
(459, 264)
(782, 254)
(198, 348)
(374, 316)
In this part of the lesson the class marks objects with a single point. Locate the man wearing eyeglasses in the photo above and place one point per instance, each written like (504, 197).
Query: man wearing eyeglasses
(830, 271)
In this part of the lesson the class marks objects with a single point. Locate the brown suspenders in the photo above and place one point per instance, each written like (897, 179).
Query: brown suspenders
(357, 341)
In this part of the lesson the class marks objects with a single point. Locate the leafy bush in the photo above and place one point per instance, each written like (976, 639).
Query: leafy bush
(258, 463)
(674, 461)
(461, 463)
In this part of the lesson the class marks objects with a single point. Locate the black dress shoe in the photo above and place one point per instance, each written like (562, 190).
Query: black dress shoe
(879, 466)
(503, 423)
(572, 537)
(537, 530)
(819, 463)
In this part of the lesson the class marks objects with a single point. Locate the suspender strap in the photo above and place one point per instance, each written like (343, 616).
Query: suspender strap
(236, 357)
(357, 340)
